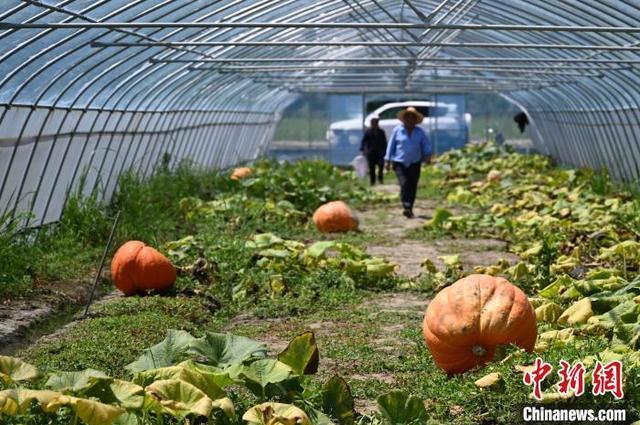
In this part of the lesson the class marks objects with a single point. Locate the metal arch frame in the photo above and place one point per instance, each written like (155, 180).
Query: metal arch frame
(44, 123)
(170, 112)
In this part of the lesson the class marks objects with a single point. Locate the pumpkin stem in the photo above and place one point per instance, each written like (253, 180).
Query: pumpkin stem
(479, 350)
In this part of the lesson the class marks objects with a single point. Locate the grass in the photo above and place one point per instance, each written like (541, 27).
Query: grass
(70, 249)
(376, 345)
(117, 332)
(380, 350)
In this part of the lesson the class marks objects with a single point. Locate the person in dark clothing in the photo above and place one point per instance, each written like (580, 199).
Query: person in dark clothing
(373, 147)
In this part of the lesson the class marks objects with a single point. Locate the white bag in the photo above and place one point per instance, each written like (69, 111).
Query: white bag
(361, 165)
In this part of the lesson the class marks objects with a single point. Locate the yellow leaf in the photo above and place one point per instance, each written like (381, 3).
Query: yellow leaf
(491, 381)
(276, 414)
(15, 370)
(578, 313)
(17, 401)
(548, 312)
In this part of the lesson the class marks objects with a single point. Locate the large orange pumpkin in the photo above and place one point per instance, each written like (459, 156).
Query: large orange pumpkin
(335, 216)
(466, 321)
(137, 268)
(241, 173)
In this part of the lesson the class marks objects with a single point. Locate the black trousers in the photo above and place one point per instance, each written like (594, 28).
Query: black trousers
(376, 161)
(408, 179)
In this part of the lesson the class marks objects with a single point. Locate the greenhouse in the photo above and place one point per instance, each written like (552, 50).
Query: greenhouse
(163, 262)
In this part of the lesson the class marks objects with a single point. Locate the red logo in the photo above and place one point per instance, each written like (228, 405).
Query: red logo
(608, 379)
(535, 376)
(571, 378)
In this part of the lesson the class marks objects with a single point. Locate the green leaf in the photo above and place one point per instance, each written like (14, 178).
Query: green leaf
(440, 216)
(302, 354)
(337, 400)
(627, 334)
(127, 418)
(73, 381)
(180, 398)
(276, 414)
(553, 289)
(266, 240)
(318, 418)
(627, 312)
(15, 370)
(275, 253)
(319, 249)
(222, 350)
(261, 373)
(401, 408)
(166, 353)
(114, 391)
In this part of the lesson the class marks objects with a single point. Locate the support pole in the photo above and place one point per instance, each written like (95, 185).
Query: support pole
(102, 261)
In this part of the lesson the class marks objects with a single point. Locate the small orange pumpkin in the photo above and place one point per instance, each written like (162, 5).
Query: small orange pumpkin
(241, 173)
(137, 268)
(466, 321)
(335, 216)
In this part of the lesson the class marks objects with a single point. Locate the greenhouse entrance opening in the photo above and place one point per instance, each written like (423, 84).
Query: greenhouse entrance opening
(190, 232)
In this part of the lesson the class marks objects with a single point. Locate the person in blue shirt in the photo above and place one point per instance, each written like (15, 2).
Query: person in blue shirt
(408, 147)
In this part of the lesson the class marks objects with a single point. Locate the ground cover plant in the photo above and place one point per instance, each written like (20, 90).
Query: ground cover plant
(251, 264)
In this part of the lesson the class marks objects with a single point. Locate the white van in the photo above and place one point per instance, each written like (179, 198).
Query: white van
(452, 129)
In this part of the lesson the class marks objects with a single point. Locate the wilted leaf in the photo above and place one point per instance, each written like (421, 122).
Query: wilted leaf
(578, 313)
(450, 260)
(180, 398)
(15, 401)
(96, 413)
(276, 414)
(554, 397)
(15, 370)
(338, 401)
(302, 354)
(428, 265)
(168, 352)
(492, 381)
(548, 312)
(225, 349)
(205, 382)
(399, 407)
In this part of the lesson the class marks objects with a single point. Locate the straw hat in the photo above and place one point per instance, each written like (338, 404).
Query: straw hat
(413, 111)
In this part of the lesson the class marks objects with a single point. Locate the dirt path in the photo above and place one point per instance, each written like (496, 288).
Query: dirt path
(409, 253)
(361, 343)
(22, 321)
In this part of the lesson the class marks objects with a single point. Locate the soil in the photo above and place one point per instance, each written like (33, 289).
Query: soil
(24, 320)
(409, 254)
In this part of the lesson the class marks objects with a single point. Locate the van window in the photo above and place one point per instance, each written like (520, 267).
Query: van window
(390, 113)
(430, 111)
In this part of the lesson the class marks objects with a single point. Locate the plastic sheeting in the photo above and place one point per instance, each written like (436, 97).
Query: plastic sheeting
(85, 93)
